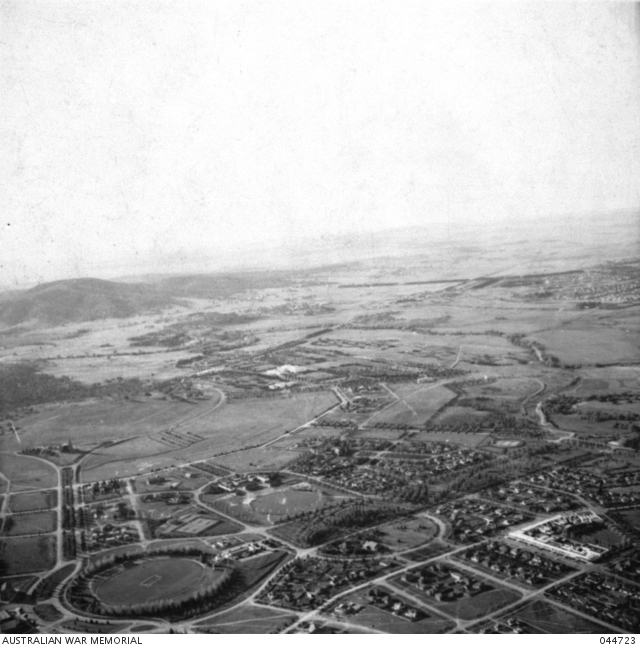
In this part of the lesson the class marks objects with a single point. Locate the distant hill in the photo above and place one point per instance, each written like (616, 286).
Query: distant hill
(83, 300)
(80, 300)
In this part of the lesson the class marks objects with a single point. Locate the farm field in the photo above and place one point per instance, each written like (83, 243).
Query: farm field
(30, 523)
(160, 365)
(230, 428)
(27, 473)
(415, 406)
(25, 555)
(591, 346)
(97, 421)
(33, 501)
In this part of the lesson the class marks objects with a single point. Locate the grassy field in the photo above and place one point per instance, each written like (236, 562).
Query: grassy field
(416, 404)
(248, 619)
(407, 534)
(27, 473)
(591, 345)
(235, 425)
(287, 502)
(25, 555)
(602, 379)
(269, 508)
(28, 523)
(580, 426)
(33, 501)
(161, 366)
(96, 421)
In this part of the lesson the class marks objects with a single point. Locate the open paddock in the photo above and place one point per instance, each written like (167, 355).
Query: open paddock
(126, 458)
(95, 421)
(248, 619)
(33, 501)
(582, 427)
(128, 467)
(408, 534)
(160, 365)
(27, 473)
(415, 406)
(241, 423)
(258, 420)
(607, 379)
(30, 523)
(27, 555)
(591, 345)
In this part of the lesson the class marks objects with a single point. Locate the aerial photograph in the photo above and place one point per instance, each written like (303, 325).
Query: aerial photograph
(320, 317)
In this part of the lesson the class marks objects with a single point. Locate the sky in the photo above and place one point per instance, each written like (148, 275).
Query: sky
(143, 135)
